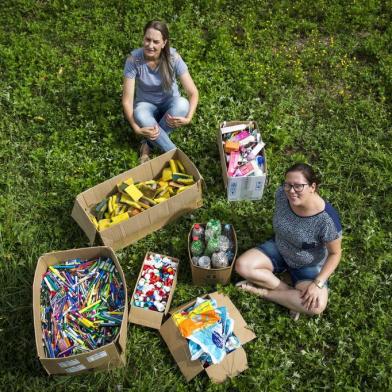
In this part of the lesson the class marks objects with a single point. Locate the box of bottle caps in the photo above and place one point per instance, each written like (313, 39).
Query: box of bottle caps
(80, 310)
(139, 201)
(212, 250)
(243, 159)
(154, 290)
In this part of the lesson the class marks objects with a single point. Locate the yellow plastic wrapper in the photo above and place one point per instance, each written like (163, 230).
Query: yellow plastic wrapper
(167, 174)
(119, 218)
(173, 165)
(180, 166)
(199, 317)
(134, 197)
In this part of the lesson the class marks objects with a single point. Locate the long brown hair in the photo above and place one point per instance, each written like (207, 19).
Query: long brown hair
(165, 65)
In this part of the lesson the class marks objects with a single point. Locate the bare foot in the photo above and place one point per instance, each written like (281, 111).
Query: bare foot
(252, 288)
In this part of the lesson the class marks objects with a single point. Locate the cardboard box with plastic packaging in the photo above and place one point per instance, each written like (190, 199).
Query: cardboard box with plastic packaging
(233, 363)
(136, 227)
(244, 187)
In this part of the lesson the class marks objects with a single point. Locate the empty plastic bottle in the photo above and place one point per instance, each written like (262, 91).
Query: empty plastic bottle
(197, 246)
(198, 231)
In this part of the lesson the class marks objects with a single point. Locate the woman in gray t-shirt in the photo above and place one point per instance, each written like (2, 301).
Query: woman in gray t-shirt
(307, 244)
(151, 99)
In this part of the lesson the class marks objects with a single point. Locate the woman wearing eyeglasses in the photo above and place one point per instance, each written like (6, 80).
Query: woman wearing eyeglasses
(307, 244)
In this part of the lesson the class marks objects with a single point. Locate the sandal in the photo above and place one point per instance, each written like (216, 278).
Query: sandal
(144, 153)
(251, 288)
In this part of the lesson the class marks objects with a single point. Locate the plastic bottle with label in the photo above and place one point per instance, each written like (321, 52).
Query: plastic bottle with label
(198, 231)
(197, 246)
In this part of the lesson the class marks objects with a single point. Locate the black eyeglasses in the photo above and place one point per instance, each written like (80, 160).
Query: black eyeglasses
(297, 187)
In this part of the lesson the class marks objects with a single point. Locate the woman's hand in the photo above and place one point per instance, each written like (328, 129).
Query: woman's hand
(151, 133)
(311, 296)
(175, 122)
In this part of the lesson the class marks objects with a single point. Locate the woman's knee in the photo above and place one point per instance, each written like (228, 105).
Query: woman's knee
(242, 266)
(253, 260)
(179, 107)
(144, 114)
(317, 311)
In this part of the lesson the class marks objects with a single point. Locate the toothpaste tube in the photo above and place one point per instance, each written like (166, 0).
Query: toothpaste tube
(245, 170)
(241, 135)
(233, 128)
(233, 162)
(252, 155)
(249, 168)
(247, 140)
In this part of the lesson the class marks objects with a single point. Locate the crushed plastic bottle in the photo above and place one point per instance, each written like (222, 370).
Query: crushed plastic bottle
(219, 260)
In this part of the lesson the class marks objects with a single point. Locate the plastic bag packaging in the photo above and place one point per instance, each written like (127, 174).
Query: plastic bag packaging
(199, 316)
(211, 341)
(195, 350)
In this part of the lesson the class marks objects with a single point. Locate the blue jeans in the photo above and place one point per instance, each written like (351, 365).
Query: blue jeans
(148, 115)
(270, 249)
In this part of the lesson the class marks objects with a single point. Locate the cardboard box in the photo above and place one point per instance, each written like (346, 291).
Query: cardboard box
(233, 364)
(241, 188)
(106, 357)
(125, 233)
(147, 317)
(202, 276)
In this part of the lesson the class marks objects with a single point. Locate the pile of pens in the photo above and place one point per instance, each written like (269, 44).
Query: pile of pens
(82, 305)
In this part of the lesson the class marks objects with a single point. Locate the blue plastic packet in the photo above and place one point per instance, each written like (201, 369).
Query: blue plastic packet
(205, 360)
(195, 350)
(232, 343)
(211, 341)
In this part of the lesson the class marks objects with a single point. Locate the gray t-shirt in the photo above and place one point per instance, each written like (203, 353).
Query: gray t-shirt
(148, 81)
(301, 240)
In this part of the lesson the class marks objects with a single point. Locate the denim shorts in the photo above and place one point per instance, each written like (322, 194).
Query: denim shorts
(270, 249)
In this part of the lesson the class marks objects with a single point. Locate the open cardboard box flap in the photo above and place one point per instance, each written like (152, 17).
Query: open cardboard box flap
(233, 364)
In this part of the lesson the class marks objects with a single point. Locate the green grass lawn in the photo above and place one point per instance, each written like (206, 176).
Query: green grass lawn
(315, 75)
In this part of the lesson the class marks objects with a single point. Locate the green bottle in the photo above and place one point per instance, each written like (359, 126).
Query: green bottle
(213, 229)
(197, 246)
(212, 246)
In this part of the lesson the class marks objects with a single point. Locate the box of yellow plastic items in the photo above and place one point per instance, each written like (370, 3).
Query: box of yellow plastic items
(133, 204)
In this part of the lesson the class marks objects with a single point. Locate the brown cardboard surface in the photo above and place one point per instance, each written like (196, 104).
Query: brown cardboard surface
(108, 356)
(233, 364)
(146, 317)
(178, 347)
(152, 219)
(255, 184)
(202, 276)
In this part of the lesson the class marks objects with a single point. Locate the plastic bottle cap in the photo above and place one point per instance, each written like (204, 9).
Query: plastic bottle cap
(197, 226)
